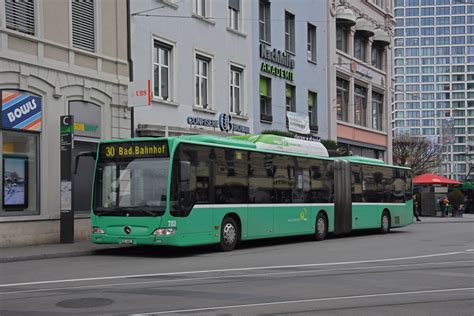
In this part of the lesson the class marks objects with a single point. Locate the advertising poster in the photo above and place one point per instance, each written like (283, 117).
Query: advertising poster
(14, 182)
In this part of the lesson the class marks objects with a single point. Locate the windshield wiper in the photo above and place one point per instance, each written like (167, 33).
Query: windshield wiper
(106, 210)
(139, 208)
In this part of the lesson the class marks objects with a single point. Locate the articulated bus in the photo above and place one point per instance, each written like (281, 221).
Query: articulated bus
(196, 190)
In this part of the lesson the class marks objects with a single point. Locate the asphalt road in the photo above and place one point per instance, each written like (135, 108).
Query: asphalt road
(418, 270)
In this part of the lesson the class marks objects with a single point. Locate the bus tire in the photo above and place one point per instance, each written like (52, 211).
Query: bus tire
(230, 234)
(321, 229)
(385, 223)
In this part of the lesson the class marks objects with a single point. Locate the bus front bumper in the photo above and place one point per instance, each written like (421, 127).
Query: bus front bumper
(133, 240)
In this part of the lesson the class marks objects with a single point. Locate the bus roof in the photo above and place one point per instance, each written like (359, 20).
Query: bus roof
(286, 144)
(369, 161)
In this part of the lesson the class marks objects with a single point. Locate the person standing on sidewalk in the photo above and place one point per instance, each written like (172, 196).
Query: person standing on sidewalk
(443, 205)
(415, 208)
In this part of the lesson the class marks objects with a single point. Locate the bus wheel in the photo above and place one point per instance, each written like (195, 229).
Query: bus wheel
(385, 223)
(229, 234)
(321, 227)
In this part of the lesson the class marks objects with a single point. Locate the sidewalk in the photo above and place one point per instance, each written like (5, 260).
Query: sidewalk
(50, 251)
(86, 248)
(465, 218)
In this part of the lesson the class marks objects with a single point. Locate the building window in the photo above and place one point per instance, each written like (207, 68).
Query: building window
(290, 98)
(289, 32)
(20, 173)
(313, 110)
(378, 56)
(360, 43)
(20, 16)
(236, 90)
(341, 37)
(200, 7)
(264, 21)
(342, 100)
(360, 105)
(378, 3)
(234, 12)
(83, 24)
(265, 99)
(311, 42)
(202, 81)
(162, 70)
(377, 111)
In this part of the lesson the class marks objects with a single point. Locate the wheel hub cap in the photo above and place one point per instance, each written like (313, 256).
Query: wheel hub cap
(229, 234)
(321, 225)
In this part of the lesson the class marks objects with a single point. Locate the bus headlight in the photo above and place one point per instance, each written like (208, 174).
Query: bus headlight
(164, 231)
(97, 230)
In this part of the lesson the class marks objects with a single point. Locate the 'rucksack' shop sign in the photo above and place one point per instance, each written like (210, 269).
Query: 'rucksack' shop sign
(21, 110)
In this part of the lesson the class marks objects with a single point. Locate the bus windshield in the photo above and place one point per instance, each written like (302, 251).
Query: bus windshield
(131, 187)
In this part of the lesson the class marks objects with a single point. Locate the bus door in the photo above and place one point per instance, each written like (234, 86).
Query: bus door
(261, 170)
(343, 197)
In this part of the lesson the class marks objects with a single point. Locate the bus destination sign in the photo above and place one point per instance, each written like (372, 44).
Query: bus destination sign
(140, 149)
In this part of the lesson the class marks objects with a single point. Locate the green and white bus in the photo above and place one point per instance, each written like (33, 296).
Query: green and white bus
(196, 190)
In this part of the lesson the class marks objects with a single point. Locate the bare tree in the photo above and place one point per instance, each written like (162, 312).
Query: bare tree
(418, 153)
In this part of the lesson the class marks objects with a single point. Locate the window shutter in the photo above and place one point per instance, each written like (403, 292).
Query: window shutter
(234, 4)
(83, 24)
(20, 15)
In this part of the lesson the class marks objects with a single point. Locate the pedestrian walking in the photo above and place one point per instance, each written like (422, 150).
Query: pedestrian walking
(415, 208)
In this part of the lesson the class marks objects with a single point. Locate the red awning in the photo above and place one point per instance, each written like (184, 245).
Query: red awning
(430, 178)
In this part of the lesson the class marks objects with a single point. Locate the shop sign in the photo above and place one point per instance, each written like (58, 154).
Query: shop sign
(277, 57)
(309, 138)
(21, 111)
(364, 71)
(139, 93)
(277, 71)
(223, 122)
(298, 123)
(87, 117)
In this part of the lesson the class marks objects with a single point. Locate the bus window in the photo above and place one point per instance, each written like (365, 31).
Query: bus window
(284, 178)
(356, 176)
(260, 171)
(231, 183)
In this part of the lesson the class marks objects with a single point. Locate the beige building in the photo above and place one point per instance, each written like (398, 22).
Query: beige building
(361, 73)
(57, 58)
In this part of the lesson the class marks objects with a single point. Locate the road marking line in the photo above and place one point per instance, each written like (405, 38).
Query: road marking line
(337, 298)
(232, 277)
(229, 270)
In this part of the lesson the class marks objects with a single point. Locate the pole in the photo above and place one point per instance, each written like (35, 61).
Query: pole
(66, 212)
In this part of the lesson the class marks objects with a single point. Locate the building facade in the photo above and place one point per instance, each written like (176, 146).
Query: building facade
(56, 58)
(434, 77)
(360, 34)
(249, 61)
(290, 58)
(197, 57)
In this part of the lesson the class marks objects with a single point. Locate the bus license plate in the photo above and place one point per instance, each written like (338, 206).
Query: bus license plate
(127, 241)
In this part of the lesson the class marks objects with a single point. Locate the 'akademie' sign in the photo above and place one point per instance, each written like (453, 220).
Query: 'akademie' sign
(21, 111)
(277, 57)
(224, 123)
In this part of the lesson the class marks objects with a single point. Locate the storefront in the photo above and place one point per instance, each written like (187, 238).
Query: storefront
(21, 126)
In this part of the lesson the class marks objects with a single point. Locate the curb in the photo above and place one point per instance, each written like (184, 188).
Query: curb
(48, 256)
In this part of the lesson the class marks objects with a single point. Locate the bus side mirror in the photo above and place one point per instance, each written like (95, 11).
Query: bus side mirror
(91, 154)
(184, 171)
